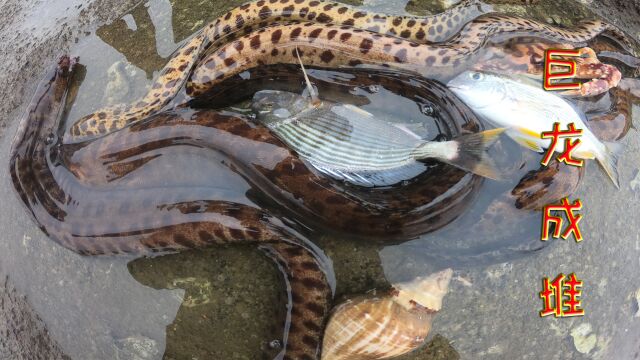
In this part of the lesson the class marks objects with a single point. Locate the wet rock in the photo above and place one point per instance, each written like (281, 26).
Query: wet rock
(429, 7)
(27, 52)
(546, 11)
(23, 335)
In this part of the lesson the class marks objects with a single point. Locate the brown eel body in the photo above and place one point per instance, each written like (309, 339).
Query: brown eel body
(328, 35)
(89, 194)
(71, 191)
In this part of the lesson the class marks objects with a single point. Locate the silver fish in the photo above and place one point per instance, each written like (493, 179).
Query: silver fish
(527, 111)
(350, 144)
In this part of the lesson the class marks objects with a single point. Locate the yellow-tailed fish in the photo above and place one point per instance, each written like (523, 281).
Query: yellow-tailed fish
(526, 111)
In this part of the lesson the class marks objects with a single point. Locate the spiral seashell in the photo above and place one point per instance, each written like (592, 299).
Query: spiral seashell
(382, 327)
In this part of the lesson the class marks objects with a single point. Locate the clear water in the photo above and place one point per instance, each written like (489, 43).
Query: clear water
(220, 303)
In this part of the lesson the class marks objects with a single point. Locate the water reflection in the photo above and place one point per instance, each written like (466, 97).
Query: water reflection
(126, 34)
(234, 300)
(160, 25)
(233, 303)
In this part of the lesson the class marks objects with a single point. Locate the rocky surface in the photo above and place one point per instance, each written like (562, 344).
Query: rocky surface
(24, 336)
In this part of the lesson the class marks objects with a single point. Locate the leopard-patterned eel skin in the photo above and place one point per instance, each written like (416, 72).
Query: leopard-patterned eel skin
(386, 213)
(59, 203)
(70, 190)
(527, 56)
(328, 46)
(253, 15)
(614, 125)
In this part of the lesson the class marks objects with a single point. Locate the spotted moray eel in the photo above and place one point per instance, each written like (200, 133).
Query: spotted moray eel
(257, 14)
(254, 15)
(527, 56)
(393, 218)
(67, 188)
(330, 46)
(69, 191)
(614, 125)
(74, 215)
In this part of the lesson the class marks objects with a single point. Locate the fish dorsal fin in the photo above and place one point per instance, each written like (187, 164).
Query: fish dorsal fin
(315, 101)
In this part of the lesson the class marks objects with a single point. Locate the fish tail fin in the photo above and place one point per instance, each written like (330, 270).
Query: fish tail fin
(468, 152)
(608, 160)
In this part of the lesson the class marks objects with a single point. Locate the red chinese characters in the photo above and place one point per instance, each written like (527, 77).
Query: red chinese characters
(569, 145)
(561, 296)
(573, 219)
(551, 64)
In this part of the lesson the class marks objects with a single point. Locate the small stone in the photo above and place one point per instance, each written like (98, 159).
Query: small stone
(445, 4)
(138, 348)
(635, 183)
(495, 350)
(637, 300)
(583, 339)
(120, 76)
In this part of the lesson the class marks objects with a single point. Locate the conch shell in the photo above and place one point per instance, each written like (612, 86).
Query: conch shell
(383, 327)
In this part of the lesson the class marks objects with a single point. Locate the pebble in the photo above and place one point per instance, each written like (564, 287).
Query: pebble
(118, 89)
(583, 339)
(635, 183)
(138, 348)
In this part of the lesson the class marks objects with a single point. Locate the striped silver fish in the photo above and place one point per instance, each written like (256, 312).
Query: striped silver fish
(350, 144)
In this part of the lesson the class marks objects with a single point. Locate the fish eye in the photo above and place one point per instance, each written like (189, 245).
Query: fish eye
(476, 76)
(51, 137)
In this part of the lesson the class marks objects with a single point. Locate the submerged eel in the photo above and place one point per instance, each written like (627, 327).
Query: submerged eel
(82, 218)
(389, 214)
(70, 191)
(347, 43)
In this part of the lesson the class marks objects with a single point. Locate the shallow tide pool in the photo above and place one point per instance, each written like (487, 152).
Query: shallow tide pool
(221, 303)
